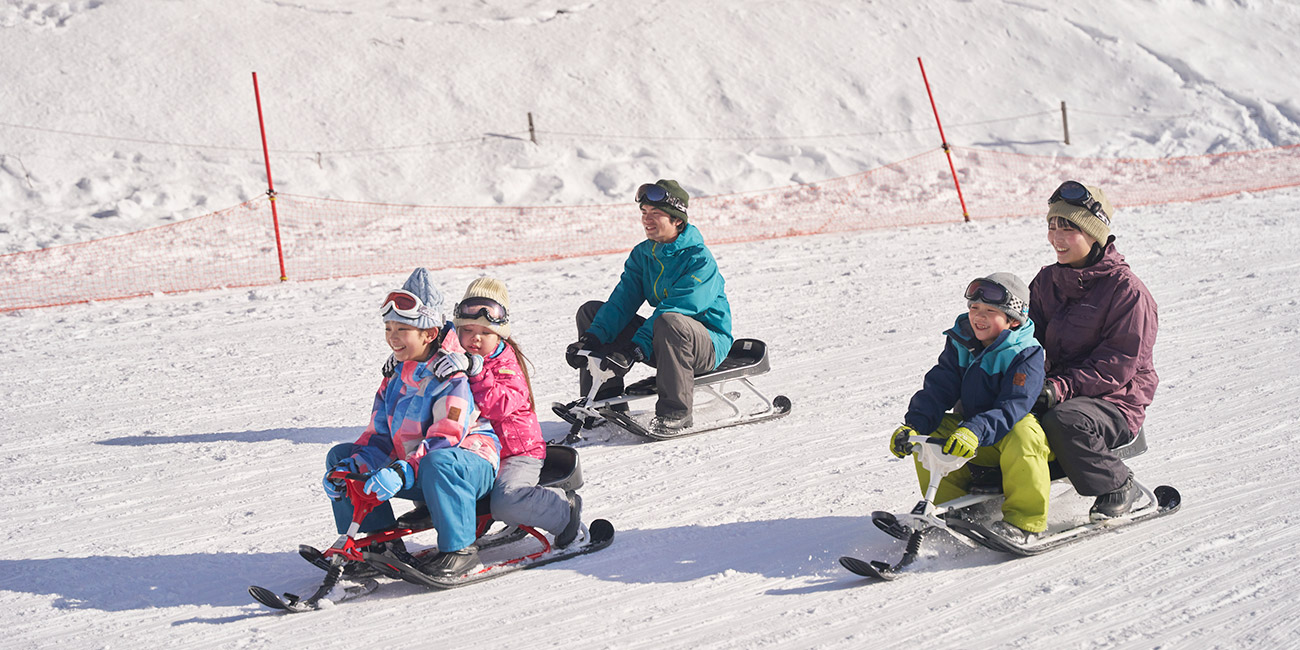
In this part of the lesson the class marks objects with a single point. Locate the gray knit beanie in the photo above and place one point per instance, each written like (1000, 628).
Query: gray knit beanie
(431, 312)
(1017, 304)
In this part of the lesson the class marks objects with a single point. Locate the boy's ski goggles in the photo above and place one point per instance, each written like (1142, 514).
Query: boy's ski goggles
(987, 291)
(1074, 193)
(487, 308)
(991, 293)
(405, 304)
(656, 195)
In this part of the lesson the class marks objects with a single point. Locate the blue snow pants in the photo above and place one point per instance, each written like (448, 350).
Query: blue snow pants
(449, 481)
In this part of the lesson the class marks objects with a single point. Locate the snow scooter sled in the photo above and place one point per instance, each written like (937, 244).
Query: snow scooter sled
(954, 515)
(561, 469)
(748, 358)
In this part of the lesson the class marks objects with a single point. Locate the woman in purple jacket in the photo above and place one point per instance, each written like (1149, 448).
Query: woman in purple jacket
(1097, 323)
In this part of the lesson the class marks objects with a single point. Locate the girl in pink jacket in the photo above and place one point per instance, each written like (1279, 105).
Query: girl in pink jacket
(503, 393)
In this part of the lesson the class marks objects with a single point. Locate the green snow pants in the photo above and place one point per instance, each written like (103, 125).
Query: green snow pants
(1026, 481)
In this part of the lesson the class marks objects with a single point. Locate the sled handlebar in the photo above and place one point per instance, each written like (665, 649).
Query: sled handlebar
(340, 475)
(929, 451)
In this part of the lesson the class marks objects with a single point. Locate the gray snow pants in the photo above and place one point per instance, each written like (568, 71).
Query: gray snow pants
(682, 348)
(518, 500)
(1082, 432)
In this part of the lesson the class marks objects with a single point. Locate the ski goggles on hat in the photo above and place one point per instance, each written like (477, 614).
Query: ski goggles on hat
(991, 293)
(486, 308)
(1074, 193)
(656, 195)
(407, 305)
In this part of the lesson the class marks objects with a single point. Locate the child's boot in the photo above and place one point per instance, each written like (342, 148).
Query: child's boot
(1012, 532)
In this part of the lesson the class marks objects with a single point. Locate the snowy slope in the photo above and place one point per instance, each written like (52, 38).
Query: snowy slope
(119, 115)
(177, 460)
(162, 454)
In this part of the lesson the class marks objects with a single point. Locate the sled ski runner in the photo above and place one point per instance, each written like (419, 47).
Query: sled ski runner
(1162, 501)
(509, 550)
(504, 537)
(594, 538)
(953, 516)
(725, 385)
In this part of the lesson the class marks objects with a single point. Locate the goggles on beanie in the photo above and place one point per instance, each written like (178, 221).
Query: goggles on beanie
(1074, 193)
(656, 195)
(992, 293)
(406, 305)
(487, 308)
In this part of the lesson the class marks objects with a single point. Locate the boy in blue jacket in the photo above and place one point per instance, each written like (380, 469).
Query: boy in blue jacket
(989, 374)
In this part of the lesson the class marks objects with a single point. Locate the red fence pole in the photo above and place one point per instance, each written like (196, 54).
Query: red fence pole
(946, 149)
(270, 186)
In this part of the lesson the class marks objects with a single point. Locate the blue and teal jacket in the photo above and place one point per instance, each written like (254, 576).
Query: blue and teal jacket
(991, 388)
(680, 277)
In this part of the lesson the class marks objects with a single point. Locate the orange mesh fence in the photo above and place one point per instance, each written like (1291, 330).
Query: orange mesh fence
(324, 238)
(232, 247)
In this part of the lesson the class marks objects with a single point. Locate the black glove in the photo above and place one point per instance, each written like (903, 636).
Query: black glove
(390, 366)
(1047, 399)
(621, 359)
(587, 342)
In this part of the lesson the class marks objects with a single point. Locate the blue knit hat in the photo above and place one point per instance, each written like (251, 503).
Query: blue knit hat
(431, 312)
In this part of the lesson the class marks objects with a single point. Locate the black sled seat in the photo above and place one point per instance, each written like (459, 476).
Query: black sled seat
(988, 480)
(1131, 449)
(748, 357)
(561, 469)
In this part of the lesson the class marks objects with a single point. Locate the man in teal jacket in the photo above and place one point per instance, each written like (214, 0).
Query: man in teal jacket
(690, 329)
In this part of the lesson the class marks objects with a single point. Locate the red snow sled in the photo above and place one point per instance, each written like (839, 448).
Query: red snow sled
(561, 469)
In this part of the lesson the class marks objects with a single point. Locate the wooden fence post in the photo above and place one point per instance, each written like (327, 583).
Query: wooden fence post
(1065, 123)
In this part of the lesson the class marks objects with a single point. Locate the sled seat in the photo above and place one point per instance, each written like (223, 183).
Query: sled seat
(560, 469)
(1135, 447)
(988, 480)
(747, 357)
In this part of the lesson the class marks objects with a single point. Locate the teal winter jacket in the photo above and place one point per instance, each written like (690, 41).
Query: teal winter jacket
(680, 277)
(990, 388)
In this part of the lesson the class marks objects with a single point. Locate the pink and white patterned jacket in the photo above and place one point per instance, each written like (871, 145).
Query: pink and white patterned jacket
(415, 414)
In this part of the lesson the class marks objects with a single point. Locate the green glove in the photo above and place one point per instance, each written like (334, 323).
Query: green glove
(963, 442)
(898, 445)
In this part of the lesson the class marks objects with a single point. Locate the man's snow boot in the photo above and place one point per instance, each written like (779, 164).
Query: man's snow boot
(1116, 503)
(570, 532)
(671, 424)
(452, 564)
(1012, 532)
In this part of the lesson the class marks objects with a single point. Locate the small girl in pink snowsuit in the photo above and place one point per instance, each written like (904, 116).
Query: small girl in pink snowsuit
(503, 393)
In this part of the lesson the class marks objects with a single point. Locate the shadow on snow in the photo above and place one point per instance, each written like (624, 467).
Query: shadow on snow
(787, 548)
(310, 435)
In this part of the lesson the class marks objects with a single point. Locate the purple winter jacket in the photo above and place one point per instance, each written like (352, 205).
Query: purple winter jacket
(1098, 326)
